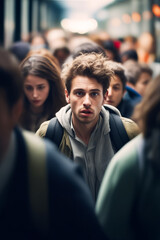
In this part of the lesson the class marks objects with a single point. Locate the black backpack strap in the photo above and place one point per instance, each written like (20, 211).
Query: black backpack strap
(54, 131)
(118, 134)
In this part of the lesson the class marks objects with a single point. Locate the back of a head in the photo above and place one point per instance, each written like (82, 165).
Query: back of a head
(132, 71)
(129, 54)
(20, 49)
(88, 47)
(11, 80)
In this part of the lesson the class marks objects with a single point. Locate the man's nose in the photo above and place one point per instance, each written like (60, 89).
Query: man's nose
(87, 101)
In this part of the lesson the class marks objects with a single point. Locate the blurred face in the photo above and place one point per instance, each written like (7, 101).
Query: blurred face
(36, 90)
(86, 99)
(115, 92)
(142, 83)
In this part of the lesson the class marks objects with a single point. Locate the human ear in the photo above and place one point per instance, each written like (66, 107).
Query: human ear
(105, 97)
(67, 96)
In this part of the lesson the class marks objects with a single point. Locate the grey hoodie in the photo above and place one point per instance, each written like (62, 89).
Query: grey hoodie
(95, 156)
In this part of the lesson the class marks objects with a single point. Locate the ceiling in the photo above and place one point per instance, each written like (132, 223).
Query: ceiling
(73, 8)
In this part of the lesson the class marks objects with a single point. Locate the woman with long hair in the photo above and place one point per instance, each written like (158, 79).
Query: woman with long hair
(43, 90)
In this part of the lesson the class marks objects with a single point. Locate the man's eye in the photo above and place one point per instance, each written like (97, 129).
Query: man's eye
(79, 94)
(116, 88)
(94, 94)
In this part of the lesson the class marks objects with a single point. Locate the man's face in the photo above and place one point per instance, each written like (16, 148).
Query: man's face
(115, 92)
(86, 99)
(5, 124)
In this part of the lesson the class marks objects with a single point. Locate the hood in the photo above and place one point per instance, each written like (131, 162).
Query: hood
(64, 116)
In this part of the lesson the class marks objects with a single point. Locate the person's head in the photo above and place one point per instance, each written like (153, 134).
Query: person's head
(46, 53)
(88, 47)
(20, 49)
(11, 88)
(129, 54)
(143, 79)
(117, 84)
(138, 75)
(87, 80)
(38, 41)
(43, 86)
(111, 50)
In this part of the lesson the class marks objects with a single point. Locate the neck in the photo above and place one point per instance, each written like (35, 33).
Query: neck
(84, 131)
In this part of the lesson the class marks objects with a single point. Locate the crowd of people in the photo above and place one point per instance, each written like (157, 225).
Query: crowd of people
(79, 149)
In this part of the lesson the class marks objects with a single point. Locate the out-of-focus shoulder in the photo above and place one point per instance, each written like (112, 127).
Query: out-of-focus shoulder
(131, 127)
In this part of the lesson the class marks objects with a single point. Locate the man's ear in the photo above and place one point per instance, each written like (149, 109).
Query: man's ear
(16, 111)
(67, 96)
(105, 97)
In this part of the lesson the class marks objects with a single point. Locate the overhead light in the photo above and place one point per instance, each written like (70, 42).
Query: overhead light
(136, 17)
(79, 25)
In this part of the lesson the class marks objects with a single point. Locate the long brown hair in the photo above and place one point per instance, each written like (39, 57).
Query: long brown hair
(44, 67)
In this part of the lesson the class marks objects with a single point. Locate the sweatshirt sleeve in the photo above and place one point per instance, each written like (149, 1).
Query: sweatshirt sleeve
(117, 194)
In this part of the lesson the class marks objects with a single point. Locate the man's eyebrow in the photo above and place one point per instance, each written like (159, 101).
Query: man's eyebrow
(81, 89)
(95, 90)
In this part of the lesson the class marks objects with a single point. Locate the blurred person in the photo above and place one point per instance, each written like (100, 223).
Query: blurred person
(38, 40)
(85, 121)
(43, 91)
(46, 53)
(42, 193)
(146, 48)
(128, 201)
(117, 89)
(112, 51)
(128, 43)
(130, 54)
(139, 75)
(88, 47)
(61, 52)
(20, 49)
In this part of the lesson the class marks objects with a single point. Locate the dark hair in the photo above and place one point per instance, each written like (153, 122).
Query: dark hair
(10, 77)
(133, 70)
(44, 67)
(88, 47)
(109, 45)
(119, 71)
(91, 65)
(129, 54)
(20, 49)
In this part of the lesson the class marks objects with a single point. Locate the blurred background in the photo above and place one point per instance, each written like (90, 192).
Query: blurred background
(61, 19)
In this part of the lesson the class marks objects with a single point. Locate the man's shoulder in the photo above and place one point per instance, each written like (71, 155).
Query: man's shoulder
(43, 129)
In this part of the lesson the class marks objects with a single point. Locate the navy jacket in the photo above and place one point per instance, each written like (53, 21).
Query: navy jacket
(71, 207)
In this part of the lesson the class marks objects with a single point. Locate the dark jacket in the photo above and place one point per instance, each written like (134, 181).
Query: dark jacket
(71, 210)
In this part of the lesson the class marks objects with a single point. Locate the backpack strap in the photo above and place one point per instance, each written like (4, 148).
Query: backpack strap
(54, 131)
(37, 181)
(118, 134)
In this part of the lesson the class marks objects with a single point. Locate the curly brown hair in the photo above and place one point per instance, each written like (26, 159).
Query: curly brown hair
(92, 65)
